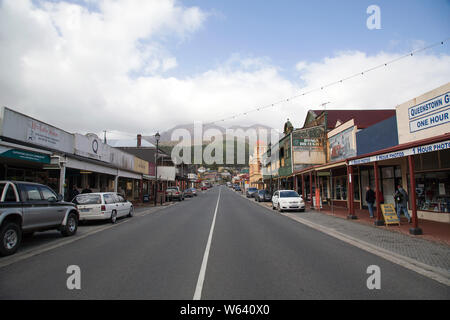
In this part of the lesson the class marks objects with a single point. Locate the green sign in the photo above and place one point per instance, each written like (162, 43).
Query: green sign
(24, 155)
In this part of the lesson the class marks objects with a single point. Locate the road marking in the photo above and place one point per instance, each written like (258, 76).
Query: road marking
(6, 261)
(428, 271)
(201, 276)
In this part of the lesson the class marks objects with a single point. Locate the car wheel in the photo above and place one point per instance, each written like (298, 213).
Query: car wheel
(273, 207)
(71, 225)
(279, 208)
(113, 218)
(10, 235)
(131, 213)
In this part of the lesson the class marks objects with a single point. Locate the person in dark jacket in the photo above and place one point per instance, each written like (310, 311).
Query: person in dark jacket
(401, 201)
(73, 193)
(370, 199)
(87, 190)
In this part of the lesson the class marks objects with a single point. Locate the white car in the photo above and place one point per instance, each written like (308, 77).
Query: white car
(287, 200)
(103, 206)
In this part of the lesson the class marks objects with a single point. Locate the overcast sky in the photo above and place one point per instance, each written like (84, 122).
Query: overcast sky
(133, 67)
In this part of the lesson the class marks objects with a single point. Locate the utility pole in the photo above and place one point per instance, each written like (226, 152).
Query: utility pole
(104, 136)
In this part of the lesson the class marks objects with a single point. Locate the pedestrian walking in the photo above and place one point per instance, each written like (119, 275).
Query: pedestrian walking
(401, 201)
(370, 199)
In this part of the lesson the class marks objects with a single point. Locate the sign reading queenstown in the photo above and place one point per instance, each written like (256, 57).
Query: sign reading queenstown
(431, 113)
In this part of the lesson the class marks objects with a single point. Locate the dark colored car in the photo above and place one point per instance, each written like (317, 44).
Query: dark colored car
(263, 196)
(237, 188)
(188, 193)
(27, 207)
(250, 193)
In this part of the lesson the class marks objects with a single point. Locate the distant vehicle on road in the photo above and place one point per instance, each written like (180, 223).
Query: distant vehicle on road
(188, 193)
(203, 188)
(194, 191)
(174, 193)
(237, 187)
(27, 207)
(250, 193)
(287, 200)
(263, 196)
(103, 206)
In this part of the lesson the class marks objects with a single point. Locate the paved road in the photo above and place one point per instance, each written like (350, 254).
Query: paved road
(254, 254)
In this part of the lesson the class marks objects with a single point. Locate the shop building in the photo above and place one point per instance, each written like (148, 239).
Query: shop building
(38, 152)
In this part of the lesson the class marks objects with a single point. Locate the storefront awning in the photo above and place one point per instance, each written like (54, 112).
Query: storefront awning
(331, 166)
(127, 174)
(88, 166)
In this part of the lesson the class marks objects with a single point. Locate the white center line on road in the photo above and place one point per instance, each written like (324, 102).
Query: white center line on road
(201, 276)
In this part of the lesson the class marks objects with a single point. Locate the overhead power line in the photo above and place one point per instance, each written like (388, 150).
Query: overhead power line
(320, 88)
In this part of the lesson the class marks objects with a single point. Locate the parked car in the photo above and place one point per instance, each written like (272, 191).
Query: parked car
(203, 188)
(103, 206)
(27, 207)
(250, 193)
(188, 193)
(237, 188)
(263, 196)
(194, 191)
(174, 193)
(287, 200)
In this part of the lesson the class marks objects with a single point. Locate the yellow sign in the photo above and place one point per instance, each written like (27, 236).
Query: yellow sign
(389, 214)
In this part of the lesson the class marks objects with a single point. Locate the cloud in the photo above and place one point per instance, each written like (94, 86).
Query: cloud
(88, 69)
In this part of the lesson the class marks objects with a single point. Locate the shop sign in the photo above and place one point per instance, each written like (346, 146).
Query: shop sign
(403, 153)
(342, 145)
(24, 155)
(20, 127)
(389, 214)
(433, 120)
(90, 146)
(140, 165)
(308, 139)
(429, 106)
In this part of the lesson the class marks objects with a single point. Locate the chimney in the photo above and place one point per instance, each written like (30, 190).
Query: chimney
(139, 140)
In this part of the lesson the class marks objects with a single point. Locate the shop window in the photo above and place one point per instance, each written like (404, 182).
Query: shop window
(340, 188)
(417, 163)
(433, 191)
(444, 156)
(430, 161)
(356, 187)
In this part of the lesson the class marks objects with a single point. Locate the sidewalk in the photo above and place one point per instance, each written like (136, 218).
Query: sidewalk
(432, 230)
(396, 240)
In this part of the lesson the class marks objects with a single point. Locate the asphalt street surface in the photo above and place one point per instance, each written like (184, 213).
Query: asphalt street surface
(254, 253)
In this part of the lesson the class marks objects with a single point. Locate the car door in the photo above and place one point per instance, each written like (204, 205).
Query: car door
(36, 211)
(56, 209)
(275, 199)
(126, 205)
(110, 204)
(120, 204)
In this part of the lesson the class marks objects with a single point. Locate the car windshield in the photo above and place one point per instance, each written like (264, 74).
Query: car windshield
(87, 198)
(288, 194)
(252, 189)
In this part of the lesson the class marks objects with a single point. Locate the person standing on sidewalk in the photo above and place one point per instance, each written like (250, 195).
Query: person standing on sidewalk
(370, 199)
(401, 199)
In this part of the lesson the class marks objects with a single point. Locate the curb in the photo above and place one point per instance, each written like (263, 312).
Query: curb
(428, 271)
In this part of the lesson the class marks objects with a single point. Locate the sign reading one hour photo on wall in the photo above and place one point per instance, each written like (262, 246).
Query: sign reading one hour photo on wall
(389, 214)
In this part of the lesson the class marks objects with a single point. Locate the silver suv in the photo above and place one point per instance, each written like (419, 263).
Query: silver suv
(26, 207)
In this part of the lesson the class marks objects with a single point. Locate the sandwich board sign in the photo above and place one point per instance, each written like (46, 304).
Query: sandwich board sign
(389, 214)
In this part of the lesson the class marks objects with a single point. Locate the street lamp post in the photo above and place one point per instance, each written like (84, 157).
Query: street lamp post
(157, 136)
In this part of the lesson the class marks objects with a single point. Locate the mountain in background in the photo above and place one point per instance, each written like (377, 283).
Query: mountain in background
(166, 135)
(167, 145)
